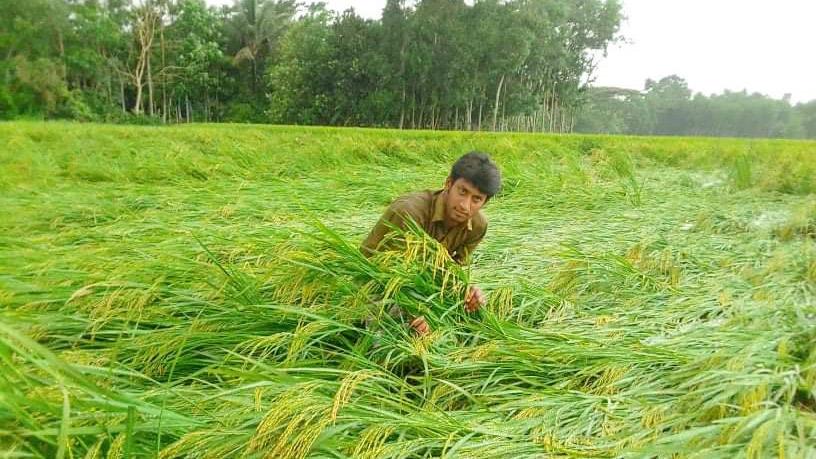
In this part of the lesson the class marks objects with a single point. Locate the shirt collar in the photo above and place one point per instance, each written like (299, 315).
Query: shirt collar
(439, 209)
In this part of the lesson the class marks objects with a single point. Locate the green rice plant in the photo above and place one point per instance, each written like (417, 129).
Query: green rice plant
(198, 291)
(741, 172)
(623, 167)
(801, 223)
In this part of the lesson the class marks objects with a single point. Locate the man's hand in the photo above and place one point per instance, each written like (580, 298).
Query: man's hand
(474, 299)
(420, 326)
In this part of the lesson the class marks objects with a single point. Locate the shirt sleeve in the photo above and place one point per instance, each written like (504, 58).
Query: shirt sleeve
(394, 216)
(463, 254)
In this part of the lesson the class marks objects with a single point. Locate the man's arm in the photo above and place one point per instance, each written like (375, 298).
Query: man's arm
(394, 216)
(474, 297)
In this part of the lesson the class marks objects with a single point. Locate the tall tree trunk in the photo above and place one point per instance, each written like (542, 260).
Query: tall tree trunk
(469, 115)
(456, 119)
(505, 125)
(137, 82)
(479, 119)
(122, 94)
(150, 87)
(137, 106)
(552, 110)
(413, 109)
(481, 104)
(496, 106)
(145, 31)
(403, 50)
(109, 89)
(61, 45)
(254, 74)
(217, 100)
(163, 74)
(206, 106)
(402, 108)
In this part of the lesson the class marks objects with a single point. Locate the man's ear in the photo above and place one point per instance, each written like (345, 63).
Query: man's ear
(448, 183)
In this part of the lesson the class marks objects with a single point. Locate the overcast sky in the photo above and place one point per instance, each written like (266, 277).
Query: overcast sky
(766, 46)
(760, 45)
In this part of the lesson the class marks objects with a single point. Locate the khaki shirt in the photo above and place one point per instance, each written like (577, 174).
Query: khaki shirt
(427, 209)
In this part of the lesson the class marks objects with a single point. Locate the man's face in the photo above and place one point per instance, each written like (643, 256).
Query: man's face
(463, 200)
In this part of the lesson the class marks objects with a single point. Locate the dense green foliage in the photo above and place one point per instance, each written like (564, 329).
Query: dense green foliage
(439, 64)
(196, 291)
(667, 107)
(520, 65)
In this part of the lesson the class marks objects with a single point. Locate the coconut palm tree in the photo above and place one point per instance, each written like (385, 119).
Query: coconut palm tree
(255, 29)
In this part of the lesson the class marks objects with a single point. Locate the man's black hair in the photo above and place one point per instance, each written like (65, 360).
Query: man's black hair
(477, 168)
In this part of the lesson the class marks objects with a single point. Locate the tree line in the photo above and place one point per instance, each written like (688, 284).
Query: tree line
(511, 65)
(436, 64)
(668, 107)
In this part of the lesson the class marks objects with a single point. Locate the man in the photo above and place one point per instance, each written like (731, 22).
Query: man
(452, 216)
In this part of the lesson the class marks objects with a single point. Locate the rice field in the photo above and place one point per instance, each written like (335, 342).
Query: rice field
(197, 292)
